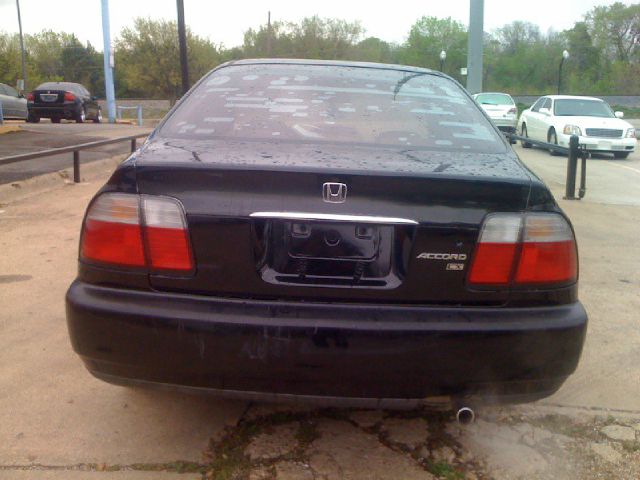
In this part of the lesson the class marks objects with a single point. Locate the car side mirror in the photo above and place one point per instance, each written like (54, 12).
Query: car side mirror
(619, 114)
(544, 111)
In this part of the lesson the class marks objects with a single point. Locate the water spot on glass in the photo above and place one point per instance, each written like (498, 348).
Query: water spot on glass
(289, 100)
(301, 78)
(347, 109)
(370, 85)
(444, 142)
(402, 139)
(275, 134)
(373, 108)
(203, 131)
(280, 81)
(300, 114)
(222, 89)
(250, 77)
(218, 119)
(221, 80)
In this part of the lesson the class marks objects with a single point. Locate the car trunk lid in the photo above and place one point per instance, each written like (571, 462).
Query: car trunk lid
(263, 225)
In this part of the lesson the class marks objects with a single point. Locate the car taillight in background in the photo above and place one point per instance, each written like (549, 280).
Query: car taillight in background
(69, 97)
(513, 111)
(30, 97)
(525, 249)
(138, 231)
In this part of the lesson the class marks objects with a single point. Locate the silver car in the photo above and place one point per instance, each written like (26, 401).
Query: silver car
(14, 105)
(501, 109)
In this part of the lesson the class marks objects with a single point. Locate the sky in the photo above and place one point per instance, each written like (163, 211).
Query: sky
(225, 22)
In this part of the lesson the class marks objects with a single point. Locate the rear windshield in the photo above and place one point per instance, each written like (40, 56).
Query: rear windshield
(319, 103)
(494, 99)
(58, 86)
(582, 108)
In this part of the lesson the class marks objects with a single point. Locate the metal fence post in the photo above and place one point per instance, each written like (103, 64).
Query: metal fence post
(1, 114)
(76, 166)
(133, 145)
(139, 115)
(572, 165)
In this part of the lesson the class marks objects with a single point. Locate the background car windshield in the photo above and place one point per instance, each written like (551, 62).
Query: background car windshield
(56, 86)
(494, 99)
(320, 103)
(582, 108)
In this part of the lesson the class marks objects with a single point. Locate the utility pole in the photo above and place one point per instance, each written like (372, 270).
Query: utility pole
(108, 64)
(474, 49)
(24, 63)
(182, 39)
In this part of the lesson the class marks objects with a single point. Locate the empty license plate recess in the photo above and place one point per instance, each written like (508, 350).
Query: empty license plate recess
(332, 241)
(326, 253)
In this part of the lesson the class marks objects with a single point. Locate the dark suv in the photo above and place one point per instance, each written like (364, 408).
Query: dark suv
(58, 100)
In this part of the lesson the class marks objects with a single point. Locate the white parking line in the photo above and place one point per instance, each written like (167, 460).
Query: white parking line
(625, 166)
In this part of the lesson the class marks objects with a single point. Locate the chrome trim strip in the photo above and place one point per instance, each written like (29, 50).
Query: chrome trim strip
(332, 217)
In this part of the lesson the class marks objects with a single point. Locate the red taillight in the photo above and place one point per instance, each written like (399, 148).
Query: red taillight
(131, 231)
(166, 234)
(513, 110)
(537, 248)
(69, 97)
(30, 97)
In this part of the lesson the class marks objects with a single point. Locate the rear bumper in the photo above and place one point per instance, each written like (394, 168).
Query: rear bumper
(276, 350)
(68, 111)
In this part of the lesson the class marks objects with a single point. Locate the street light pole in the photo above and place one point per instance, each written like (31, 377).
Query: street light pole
(443, 57)
(565, 55)
(24, 63)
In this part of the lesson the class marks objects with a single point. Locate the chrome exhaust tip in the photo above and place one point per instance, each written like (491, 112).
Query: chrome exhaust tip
(465, 416)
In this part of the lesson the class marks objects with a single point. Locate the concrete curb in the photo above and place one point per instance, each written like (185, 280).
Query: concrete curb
(16, 191)
(9, 129)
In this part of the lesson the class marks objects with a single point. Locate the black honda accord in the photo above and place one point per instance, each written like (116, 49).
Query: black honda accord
(344, 232)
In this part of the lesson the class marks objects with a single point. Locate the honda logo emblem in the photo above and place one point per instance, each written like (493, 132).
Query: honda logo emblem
(334, 192)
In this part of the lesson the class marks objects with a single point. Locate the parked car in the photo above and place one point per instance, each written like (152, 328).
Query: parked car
(328, 230)
(501, 109)
(14, 104)
(554, 118)
(58, 100)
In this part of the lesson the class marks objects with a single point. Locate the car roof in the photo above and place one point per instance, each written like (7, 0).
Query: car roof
(571, 97)
(492, 93)
(334, 63)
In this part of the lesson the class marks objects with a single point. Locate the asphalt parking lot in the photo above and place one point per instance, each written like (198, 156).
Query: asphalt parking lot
(45, 135)
(58, 422)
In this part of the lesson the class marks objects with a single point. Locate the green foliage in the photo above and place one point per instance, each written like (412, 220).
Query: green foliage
(518, 58)
(148, 56)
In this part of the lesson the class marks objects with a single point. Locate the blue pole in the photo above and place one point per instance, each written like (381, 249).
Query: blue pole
(108, 69)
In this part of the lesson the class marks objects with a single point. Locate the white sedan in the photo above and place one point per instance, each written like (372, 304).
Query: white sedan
(501, 109)
(554, 118)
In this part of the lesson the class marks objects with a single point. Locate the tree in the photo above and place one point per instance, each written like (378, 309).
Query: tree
(616, 30)
(147, 55)
(428, 37)
(313, 37)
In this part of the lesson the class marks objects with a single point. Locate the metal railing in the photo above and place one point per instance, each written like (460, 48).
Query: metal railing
(138, 109)
(75, 149)
(574, 152)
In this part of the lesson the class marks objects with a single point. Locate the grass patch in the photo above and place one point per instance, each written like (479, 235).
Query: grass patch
(444, 470)
(631, 446)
